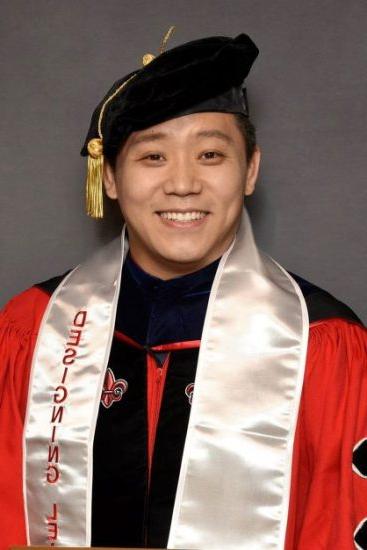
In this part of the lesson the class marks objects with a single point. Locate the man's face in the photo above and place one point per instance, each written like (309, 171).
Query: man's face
(180, 185)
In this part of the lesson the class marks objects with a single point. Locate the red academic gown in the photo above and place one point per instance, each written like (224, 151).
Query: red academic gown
(328, 497)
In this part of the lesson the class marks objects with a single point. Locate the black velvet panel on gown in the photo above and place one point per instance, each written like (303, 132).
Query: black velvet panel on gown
(128, 510)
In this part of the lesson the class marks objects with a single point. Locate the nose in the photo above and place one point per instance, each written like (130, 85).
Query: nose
(182, 179)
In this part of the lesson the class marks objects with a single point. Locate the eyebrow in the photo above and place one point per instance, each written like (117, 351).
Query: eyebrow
(146, 138)
(215, 133)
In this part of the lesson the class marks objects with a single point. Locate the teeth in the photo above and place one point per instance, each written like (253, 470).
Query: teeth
(183, 216)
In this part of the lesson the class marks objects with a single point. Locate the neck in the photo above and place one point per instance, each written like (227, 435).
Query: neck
(165, 271)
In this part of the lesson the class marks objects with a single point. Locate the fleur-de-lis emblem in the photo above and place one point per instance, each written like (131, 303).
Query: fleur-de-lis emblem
(113, 389)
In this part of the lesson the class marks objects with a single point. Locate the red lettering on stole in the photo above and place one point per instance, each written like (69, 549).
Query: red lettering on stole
(57, 413)
(52, 474)
(80, 319)
(52, 526)
(60, 396)
(69, 356)
(53, 453)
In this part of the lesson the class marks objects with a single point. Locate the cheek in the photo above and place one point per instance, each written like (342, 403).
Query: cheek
(227, 178)
(134, 192)
(230, 192)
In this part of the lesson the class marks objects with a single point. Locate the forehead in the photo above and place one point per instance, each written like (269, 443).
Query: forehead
(196, 125)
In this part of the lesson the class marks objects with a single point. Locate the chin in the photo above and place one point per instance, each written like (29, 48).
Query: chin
(186, 257)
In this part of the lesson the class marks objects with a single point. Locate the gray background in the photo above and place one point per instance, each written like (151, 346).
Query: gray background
(307, 94)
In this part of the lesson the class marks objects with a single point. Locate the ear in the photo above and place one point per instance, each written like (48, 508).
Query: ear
(252, 171)
(109, 181)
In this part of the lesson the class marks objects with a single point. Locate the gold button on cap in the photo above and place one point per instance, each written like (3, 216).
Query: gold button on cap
(147, 58)
(95, 148)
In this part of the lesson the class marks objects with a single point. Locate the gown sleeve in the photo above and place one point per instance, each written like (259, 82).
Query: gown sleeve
(328, 503)
(19, 323)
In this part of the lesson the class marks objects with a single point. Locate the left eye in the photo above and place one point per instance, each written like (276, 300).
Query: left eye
(154, 156)
(211, 155)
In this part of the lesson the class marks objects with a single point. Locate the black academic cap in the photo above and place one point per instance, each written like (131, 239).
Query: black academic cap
(172, 84)
(202, 75)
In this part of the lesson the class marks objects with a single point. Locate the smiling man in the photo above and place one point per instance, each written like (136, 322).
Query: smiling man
(180, 389)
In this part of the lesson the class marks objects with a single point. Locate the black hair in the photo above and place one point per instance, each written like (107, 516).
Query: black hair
(248, 132)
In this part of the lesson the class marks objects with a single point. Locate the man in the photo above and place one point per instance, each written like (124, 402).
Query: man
(185, 390)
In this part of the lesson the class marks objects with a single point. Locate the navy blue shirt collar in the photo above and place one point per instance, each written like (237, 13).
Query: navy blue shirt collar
(154, 311)
(177, 286)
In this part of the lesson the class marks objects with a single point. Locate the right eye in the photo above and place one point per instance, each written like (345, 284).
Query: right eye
(154, 157)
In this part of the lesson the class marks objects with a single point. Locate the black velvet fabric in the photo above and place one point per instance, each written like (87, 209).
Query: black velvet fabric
(51, 285)
(322, 305)
(126, 512)
(360, 458)
(361, 536)
(169, 445)
(174, 82)
(120, 462)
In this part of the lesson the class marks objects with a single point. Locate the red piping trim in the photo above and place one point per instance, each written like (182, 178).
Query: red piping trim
(172, 346)
(188, 344)
(156, 378)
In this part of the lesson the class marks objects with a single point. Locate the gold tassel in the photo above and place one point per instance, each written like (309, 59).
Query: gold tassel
(166, 37)
(94, 194)
(94, 191)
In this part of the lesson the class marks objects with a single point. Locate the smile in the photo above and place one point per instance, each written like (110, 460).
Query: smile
(189, 220)
(183, 216)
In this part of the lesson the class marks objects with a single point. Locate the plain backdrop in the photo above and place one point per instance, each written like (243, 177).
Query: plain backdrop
(307, 94)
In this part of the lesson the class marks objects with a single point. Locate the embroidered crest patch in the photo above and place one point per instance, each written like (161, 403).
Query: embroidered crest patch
(189, 391)
(113, 389)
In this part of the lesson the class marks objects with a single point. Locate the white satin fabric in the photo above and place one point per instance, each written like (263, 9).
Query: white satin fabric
(234, 485)
(92, 287)
(233, 490)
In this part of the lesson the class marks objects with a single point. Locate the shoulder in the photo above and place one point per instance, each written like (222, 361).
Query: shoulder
(337, 337)
(337, 344)
(24, 311)
(322, 305)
